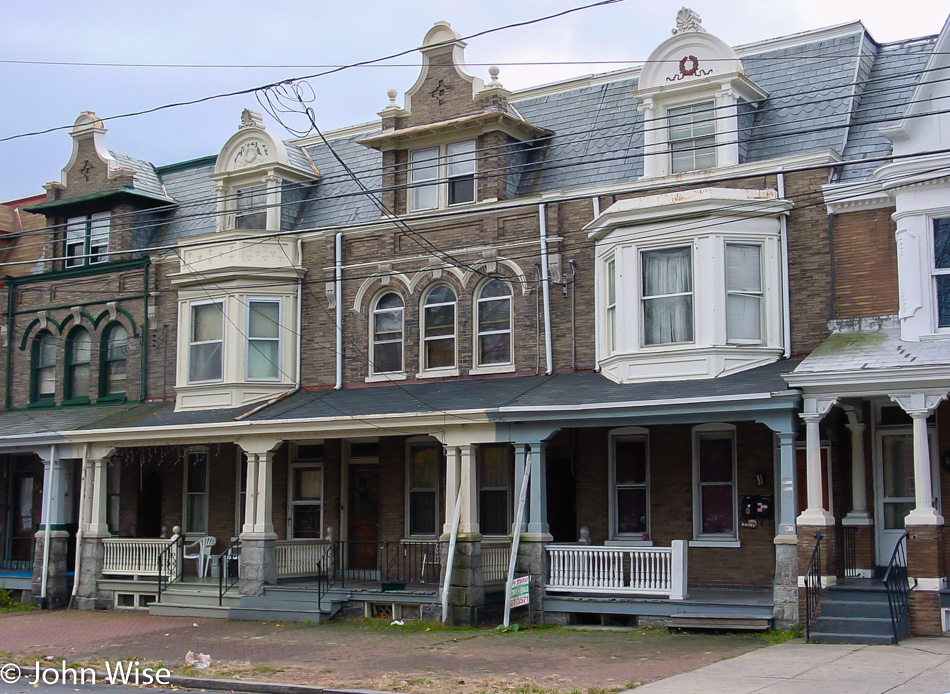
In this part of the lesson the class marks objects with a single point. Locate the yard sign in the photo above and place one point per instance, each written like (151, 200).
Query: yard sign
(519, 592)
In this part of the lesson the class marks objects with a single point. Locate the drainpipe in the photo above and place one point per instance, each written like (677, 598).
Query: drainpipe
(786, 306)
(82, 521)
(338, 292)
(143, 366)
(11, 288)
(299, 374)
(596, 203)
(48, 487)
(545, 289)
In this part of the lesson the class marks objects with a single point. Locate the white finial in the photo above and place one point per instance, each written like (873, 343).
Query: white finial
(392, 94)
(688, 20)
(493, 71)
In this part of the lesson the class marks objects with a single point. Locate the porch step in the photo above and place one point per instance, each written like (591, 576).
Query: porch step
(856, 612)
(719, 622)
(171, 609)
(288, 613)
(200, 597)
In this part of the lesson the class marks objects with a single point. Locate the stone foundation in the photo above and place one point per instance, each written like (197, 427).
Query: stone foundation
(532, 561)
(57, 585)
(258, 565)
(785, 584)
(466, 588)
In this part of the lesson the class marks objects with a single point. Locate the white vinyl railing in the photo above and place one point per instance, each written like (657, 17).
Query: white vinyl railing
(495, 562)
(131, 556)
(297, 558)
(618, 570)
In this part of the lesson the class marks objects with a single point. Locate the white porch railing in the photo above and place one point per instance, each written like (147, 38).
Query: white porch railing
(298, 558)
(618, 570)
(495, 559)
(132, 556)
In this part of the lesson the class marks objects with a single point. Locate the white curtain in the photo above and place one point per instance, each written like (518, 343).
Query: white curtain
(667, 296)
(743, 293)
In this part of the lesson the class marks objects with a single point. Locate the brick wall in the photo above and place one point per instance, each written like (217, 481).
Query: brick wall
(865, 264)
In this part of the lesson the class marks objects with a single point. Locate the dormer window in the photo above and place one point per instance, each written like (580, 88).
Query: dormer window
(692, 137)
(87, 239)
(250, 208)
(442, 176)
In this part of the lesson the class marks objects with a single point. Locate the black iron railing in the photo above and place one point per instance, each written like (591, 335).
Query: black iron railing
(170, 564)
(392, 563)
(229, 568)
(16, 553)
(813, 586)
(846, 551)
(898, 586)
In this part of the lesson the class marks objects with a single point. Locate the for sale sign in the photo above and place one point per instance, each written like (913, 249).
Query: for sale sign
(519, 591)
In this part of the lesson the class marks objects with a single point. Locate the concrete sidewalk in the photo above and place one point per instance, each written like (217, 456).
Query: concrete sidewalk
(916, 666)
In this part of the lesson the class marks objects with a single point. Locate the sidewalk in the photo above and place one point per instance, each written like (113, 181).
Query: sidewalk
(916, 666)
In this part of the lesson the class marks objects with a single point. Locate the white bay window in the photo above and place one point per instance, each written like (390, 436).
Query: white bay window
(206, 353)
(667, 296)
(263, 339)
(743, 293)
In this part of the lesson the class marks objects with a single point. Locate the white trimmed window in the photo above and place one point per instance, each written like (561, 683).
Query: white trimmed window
(422, 489)
(196, 492)
(388, 316)
(493, 311)
(667, 295)
(438, 329)
(743, 293)
(692, 132)
(263, 339)
(306, 500)
(442, 176)
(250, 208)
(87, 239)
(941, 270)
(610, 305)
(714, 482)
(206, 344)
(495, 471)
(630, 484)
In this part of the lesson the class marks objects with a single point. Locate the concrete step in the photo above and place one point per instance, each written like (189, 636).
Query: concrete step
(854, 625)
(719, 622)
(274, 614)
(189, 597)
(170, 609)
(863, 593)
(870, 639)
(855, 608)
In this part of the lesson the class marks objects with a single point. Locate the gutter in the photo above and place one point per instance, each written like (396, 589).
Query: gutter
(338, 293)
(786, 306)
(546, 289)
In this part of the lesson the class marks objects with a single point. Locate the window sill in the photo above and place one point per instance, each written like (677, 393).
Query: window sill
(76, 401)
(115, 397)
(494, 369)
(628, 543)
(42, 403)
(383, 378)
(932, 337)
(438, 373)
(724, 544)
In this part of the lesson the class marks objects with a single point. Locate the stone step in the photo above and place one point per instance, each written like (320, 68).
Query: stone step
(855, 608)
(187, 597)
(170, 609)
(719, 622)
(280, 614)
(855, 625)
(870, 639)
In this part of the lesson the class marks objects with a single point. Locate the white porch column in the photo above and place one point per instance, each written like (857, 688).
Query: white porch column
(787, 497)
(258, 552)
(264, 519)
(859, 512)
(920, 406)
(521, 457)
(468, 524)
(815, 410)
(250, 494)
(452, 463)
(98, 493)
(538, 504)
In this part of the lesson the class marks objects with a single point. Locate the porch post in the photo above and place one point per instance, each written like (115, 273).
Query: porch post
(452, 463)
(466, 588)
(859, 511)
(537, 504)
(521, 457)
(49, 564)
(920, 406)
(94, 522)
(258, 549)
(468, 525)
(815, 514)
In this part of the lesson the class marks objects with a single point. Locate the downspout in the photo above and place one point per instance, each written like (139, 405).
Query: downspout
(595, 201)
(545, 289)
(786, 306)
(338, 293)
(82, 522)
(11, 287)
(299, 373)
(143, 369)
(48, 486)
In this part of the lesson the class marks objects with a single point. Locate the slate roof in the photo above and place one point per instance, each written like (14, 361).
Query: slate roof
(43, 421)
(874, 344)
(145, 177)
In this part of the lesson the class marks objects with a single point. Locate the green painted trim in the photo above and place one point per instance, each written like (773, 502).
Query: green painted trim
(69, 318)
(78, 200)
(83, 304)
(33, 324)
(186, 165)
(95, 269)
(52, 526)
(114, 398)
(75, 401)
(41, 404)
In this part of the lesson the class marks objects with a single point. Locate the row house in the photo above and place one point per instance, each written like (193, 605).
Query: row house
(648, 337)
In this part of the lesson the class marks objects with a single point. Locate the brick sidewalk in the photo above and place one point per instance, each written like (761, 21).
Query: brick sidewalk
(370, 654)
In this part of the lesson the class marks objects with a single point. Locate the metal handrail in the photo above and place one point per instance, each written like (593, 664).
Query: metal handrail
(229, 564)
(813, 586)
(170, 558)
(897, 585)
(846, 550)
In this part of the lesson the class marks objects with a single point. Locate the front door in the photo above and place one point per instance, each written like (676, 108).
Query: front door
(894, 487)
(363, 516)
(18, 549)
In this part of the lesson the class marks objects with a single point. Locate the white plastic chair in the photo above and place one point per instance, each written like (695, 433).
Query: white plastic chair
(203, 554)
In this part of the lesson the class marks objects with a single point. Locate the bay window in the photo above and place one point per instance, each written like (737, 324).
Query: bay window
(206, 349)
(667, 296)
(263, 339)
(941, 270)
(611, 306)
(743, 293)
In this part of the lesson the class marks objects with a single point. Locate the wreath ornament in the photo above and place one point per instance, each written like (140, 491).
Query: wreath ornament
(688, 67)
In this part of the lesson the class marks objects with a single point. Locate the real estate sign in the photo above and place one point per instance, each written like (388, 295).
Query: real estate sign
(519, 592)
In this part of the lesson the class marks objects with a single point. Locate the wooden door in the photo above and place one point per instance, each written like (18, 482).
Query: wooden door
(362, 517)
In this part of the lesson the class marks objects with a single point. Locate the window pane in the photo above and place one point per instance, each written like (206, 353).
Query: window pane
(424, 198)
(493, 512)
(80, 347)
(79, 381)
(461, 190)
(308, 483)
(424, 166)
(630, 461)
(424, 467)
(99, 228)
(440, 353)
(668, 320)
(461, 156)
(743, 268)
(715, 459)
(743, 317)
(263, 358)
(942, 242)
(717, 509)
(440, 320)
(387, 357)
(197, 472)
(494, 315)
(46, 382)
(496, 288)
(207, 322)
(47, 351)
(632, 510)
(115, 377)
(205, 362)
(440, 295)
(263, 319)
(494, 466)
(898, 468)
(943, 301)
(116, 343)
(422, 513)
(197, 514)
(389, 324)
(895, 513)
(612, 282)
(389, 301)
(494, 349)
(668, 271)
(306, 521)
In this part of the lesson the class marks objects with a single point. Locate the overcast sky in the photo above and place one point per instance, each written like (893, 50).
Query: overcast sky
(315, 33)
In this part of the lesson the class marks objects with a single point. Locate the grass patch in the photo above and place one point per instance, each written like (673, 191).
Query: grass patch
(9, 604)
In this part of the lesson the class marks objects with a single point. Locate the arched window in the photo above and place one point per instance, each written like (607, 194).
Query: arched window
(43, 362)
(438, 329)
(113, 357)
(387, 334)
(78, 354)
(493, 310)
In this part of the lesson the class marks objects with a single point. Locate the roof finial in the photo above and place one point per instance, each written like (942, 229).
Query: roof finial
(493, 72)
(251, 119)
(688, 20)
(392, 94)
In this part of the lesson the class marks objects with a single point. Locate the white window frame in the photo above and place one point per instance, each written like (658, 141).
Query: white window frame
(643, 298)
(610, 304)
(442, 165)
(90, 237)
(628, 434)
(240, 491)
(188, 529)
(936, 272)
(479, 301)
(424, 339)
(249, 340)
(192, 343)
(402, 333)
(410, 445)
(508, 488)
(758, 294)
(693, 148)
(715, 430)
(250, 193)
(292, 503)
